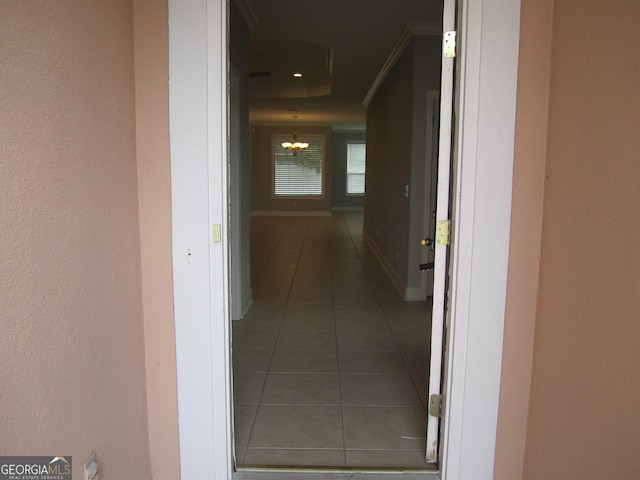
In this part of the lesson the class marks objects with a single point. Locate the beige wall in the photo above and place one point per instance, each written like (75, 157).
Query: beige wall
(584, 413)
(72, 368)
(389, 153)
(154, 199)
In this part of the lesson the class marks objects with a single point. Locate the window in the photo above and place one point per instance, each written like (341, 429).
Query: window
(300, 175)
(356, 166)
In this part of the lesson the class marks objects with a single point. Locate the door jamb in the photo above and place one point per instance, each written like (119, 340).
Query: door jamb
(486, 114)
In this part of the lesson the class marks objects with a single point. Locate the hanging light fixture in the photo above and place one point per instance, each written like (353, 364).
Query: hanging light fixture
(295, 146)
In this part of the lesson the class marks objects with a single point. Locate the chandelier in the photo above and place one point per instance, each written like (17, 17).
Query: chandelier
(295, 146)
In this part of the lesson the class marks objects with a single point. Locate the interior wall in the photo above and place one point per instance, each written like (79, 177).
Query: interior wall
(584, 416)
(72, 350)
(340, 199)
(262, 173)
(426, 76)
(154, 200)
(389, 149)
(396, 160)
(239, 55)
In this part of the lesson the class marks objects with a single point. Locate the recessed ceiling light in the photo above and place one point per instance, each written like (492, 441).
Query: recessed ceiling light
(298, 74)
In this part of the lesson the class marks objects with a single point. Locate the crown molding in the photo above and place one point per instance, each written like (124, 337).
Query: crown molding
(411, 30)
(247, 12)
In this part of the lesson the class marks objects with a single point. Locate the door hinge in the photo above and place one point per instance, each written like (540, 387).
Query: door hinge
(442, 232)
(435, 405)
(449, 44)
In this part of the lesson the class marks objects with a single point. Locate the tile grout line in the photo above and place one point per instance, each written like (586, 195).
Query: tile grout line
(395, 339)
(335, 330)
(266, 377)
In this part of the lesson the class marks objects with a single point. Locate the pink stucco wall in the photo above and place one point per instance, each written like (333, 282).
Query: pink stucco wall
(72, 366)
(154, 197)
(526, 232)
(584, 404)
(585, 397)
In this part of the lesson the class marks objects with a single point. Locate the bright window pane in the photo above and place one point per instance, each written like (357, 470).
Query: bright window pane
(356, 166)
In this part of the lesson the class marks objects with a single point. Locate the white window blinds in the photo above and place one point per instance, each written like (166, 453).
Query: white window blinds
(300, 175)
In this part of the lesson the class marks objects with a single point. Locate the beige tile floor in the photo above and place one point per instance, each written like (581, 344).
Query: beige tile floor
(330, 365)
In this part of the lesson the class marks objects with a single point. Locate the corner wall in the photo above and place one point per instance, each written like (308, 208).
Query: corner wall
(530, 158)
(584, 417)
(154, 203)
(72, 364)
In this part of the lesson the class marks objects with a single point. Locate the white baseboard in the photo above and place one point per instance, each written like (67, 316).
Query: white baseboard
(247, 300)
(414, 294)
(287, 213)
(388, 268)
(347, 209)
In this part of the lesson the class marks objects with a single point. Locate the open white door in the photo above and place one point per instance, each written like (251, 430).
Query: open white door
(442, 232)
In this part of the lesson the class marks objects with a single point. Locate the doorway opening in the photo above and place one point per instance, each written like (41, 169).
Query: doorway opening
(330, 363)
(199, 204)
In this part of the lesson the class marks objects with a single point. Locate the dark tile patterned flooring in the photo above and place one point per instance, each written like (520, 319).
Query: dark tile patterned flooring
(330, 364)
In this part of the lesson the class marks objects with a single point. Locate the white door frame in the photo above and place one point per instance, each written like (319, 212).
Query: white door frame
(487, 63)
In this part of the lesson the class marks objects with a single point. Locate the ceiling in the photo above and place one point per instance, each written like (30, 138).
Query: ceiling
(340, 46)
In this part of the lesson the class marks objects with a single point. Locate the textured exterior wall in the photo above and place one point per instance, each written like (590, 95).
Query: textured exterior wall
(154, 198)
(526, 235)
(72, 371)
(585, 397)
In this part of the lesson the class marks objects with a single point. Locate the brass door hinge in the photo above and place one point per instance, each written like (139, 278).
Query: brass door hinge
(442, 232)
(449, 44)
(435, 405)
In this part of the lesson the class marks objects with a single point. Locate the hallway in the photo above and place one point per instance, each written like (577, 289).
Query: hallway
(330, 364)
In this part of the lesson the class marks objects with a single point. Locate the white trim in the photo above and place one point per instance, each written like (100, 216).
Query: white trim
(411, 30)
(398, 282)
(347, 209)
(414, 294)
(247, 301)
(197, 95)
(438, 308)
(346, 168)
(198, 135)
(279, 474)
(488, 67)
(289, 213)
